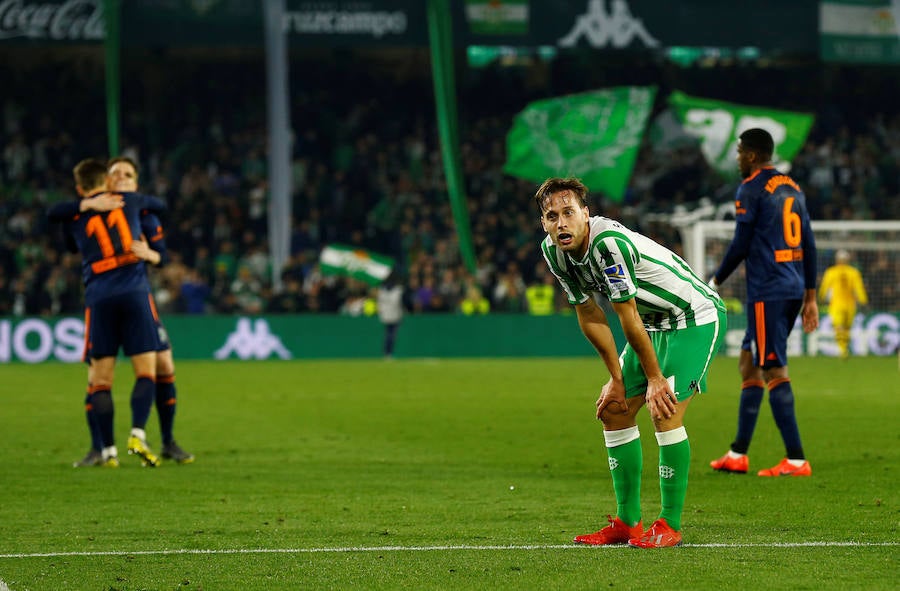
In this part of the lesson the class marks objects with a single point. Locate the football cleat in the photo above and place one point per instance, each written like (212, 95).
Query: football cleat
(93, 458)
(728, 463)
(785, 468)
(110, 462)
(139, 448)
(173, 451)
(660, 535)
(617, 532)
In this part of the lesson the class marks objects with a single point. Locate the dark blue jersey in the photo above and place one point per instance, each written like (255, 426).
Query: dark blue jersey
(773, 236)
(104, 240)
(156, 238)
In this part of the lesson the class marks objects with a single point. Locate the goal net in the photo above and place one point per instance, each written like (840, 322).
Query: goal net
(874, 247)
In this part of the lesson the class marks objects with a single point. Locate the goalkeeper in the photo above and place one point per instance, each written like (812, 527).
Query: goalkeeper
(842, 288)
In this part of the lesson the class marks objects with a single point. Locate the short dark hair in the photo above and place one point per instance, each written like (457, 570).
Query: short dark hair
(90, 173)
(125, 159)
(555, 185)
(758, 140)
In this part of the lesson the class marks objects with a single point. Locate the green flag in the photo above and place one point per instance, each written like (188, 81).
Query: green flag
(339, 259)
(594, 136)
(718, 124)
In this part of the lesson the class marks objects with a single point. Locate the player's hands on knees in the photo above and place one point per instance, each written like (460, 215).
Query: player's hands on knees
(613, 393)
(661, 401)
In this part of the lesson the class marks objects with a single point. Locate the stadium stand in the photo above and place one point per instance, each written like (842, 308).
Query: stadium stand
(367, 170)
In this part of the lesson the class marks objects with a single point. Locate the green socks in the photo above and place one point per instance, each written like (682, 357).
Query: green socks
(674, 461)
(625, 463)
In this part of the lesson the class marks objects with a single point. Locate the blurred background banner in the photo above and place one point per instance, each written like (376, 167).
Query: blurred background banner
(51, 21)
(860, 31)
(598, 24)
(638, 24)
(356, 22)
(340, 259)
(719, 123)
(593, 136)
(497, 17)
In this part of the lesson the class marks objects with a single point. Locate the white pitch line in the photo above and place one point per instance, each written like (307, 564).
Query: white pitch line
(434, 549)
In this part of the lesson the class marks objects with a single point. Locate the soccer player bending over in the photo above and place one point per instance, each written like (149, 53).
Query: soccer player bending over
(674, 324)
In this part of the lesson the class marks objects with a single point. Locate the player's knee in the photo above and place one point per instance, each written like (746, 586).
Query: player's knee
(101, 402)
(165, 365)
(615, 417)
(751, 377)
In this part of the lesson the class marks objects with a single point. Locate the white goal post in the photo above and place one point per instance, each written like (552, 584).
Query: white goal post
(874, 247)
(853, 236)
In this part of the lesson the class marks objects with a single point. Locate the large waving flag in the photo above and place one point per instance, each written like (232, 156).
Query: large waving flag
(594, 136)
(339, 259)
(718, 124)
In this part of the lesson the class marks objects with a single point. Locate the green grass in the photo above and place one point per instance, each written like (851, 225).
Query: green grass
(300, 457)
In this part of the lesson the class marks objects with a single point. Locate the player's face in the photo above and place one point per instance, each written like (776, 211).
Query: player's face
(122, 177)
(745, 160)
(565, 219)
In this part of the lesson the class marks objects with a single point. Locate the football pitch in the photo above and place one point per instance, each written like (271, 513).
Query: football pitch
(437, 474)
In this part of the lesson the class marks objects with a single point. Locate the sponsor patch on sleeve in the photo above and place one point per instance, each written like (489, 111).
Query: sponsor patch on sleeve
(617, 279)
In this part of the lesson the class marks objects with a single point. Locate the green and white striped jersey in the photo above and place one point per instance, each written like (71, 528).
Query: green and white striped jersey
(622, 264)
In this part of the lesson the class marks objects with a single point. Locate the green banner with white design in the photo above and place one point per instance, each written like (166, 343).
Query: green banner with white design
(860, 31)
(717, 124)
(339, 259)
(497, 17)
(594, 136)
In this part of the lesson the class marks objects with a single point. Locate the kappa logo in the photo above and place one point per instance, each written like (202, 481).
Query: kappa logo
(252, 341)
(666, 471)
(616, 28)
(613, 463)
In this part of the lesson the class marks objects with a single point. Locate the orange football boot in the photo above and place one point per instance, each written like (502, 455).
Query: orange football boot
(785, 468)
(617, 532)
(660, 535)
(727, 463)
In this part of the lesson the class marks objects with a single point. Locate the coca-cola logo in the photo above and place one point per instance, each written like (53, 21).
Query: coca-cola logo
(69, 20)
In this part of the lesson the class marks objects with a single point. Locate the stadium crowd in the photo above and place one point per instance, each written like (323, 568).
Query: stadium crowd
(367, 172)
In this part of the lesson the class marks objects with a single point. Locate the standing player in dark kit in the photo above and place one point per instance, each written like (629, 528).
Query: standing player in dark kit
(123, 177)
(118, 308)
(774, 237)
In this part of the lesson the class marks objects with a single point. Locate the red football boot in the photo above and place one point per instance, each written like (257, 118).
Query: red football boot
(785, 468)
(617, 532)
(729, 463)
(660, 535)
